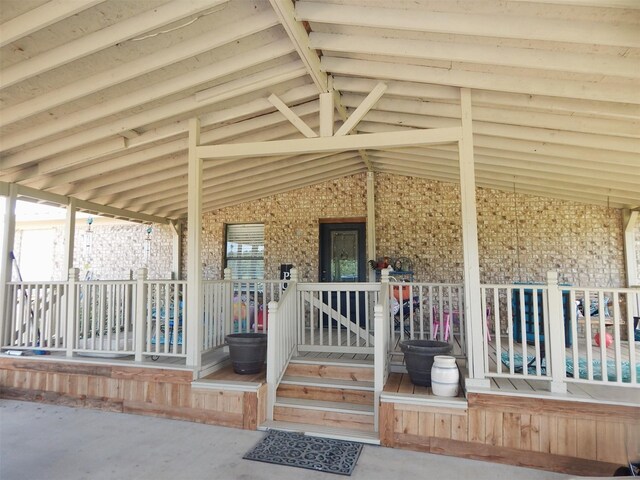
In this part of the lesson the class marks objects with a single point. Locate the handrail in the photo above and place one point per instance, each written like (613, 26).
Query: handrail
(282, 338)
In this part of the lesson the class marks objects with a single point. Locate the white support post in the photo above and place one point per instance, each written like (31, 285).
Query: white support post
(194, 246)
(326, 114)
(141, 313)
(472, 306)
(176, 268)
(8, 238)
(72, 311)
(379, 359)
(272, 356)
(555, 336)
(228, 301)
(630, 254)
(69, 234)
(371, 223)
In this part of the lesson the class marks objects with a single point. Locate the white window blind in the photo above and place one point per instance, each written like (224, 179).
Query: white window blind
(245, 250)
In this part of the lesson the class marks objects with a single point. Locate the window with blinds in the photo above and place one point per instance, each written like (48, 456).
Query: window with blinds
(245, 250)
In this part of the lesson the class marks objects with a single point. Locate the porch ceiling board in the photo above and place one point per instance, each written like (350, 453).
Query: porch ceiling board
(95, 102)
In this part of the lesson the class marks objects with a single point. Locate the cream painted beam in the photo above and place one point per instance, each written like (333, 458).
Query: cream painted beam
(41, 17)
(295, 120)
(105, 210)
(328, 144)
(326, 114)
(393, 163)
(251, 170)
(631, 222)
(573, 62)
(147, 64)
(582, 63)
(155, 152)
(534, 178)
(286, 187)
(534, 140)
(508, 116)
(611, 92)
(104, 38)
(486, 98)
(155, 92)
(164, 112)
(487, 25)
(362, 109)
(194, 250)
(298, 35)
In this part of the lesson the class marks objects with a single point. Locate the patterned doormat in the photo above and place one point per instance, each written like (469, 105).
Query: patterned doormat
(299, 450)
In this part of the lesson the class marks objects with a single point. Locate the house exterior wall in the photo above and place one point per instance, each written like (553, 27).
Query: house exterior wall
(117, 248)
(520, 237)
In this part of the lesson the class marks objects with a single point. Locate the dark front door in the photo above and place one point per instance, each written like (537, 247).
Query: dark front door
(342, 259)
(342, 252)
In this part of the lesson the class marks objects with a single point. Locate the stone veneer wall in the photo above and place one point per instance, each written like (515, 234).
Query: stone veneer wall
(521, 237)
(117, 249)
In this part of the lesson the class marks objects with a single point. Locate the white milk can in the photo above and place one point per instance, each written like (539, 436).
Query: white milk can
(444, 376)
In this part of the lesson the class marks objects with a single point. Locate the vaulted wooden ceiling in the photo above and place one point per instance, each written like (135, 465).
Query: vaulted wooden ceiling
(96, 94)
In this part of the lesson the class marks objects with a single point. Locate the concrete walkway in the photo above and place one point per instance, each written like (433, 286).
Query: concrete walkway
(39, 441)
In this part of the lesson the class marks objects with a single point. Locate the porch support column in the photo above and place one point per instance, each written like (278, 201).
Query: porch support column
(630, 220)
(194, 242)
(371, 223)
(8, 237)
(69, 236)
(176, 263)
(472, 306)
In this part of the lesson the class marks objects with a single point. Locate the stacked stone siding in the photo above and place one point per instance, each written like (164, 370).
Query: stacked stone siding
(520, 237)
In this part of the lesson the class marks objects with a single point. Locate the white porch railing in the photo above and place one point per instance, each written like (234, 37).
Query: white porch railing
(337, 317)
(281, 339)
(36, 315)
(104, 317)
(561, 333)
(433, 311)
(165, 318)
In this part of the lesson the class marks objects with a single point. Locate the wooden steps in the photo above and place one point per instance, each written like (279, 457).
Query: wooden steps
(337, 395)
(323, 431)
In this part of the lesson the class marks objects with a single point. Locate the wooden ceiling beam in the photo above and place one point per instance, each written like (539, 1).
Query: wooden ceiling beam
(142, 66)
(107, 37)
(152, 93)
(484, 25)
(491, 99)
(558, 61)
(41, 17)
(611, 92)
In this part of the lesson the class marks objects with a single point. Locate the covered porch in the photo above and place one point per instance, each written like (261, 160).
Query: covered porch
(493, 144)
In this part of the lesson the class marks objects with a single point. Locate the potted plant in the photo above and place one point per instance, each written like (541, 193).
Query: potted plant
(418, 357)
(248, 352)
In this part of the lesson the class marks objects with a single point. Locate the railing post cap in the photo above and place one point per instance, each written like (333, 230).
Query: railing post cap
(141, 274)
(228, 274)
(384, 274)
(74, 273)
(294, 274)
(552, 277)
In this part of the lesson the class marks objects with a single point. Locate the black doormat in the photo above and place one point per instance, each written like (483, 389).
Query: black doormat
(299, 450)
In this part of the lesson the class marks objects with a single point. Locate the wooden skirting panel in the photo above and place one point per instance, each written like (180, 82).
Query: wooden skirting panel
(146, 391)
(570, 437)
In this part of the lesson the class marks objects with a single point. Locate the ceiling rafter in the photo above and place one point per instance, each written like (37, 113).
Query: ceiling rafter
(141, 66)
(41, 17)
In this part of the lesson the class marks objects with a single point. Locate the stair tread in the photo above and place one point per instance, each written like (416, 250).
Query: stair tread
(323, 431)
(328, 382)
(338, 362)
(342, 407)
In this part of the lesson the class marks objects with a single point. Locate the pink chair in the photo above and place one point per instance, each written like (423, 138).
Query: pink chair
(446, 318)
(456, 320)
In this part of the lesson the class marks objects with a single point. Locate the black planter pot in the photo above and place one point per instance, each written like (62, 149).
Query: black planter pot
(418, 357)
(248, 352)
